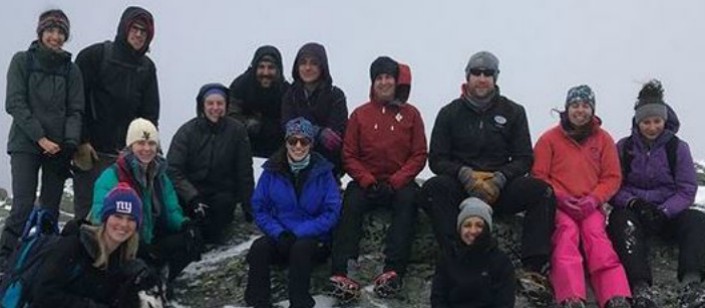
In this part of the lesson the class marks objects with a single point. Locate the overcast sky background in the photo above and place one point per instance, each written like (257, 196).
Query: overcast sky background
(544, 47)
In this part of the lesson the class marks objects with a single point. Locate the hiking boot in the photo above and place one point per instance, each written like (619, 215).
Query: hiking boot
(618, 302)
(344, 289)
(535, 287)
(692, 295)
(573, 303)
(387, 284)
(643, 297)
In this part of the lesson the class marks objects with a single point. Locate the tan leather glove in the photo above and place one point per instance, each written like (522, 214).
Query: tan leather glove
(84, 157)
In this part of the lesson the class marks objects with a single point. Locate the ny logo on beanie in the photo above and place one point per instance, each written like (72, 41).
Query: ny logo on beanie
(124, 207)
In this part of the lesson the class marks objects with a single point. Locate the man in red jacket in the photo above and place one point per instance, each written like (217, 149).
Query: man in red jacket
(383, 151)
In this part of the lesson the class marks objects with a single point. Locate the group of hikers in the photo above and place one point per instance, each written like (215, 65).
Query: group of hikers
(141, 218)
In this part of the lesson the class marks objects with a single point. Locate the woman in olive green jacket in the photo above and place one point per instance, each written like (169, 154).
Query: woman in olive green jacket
(45, 99)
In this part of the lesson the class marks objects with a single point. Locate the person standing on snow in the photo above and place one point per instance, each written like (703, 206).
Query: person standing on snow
(480, 146)
(656, 199)
(210, 164)
(45, 99)
(314, 97)
(578, 145)
(120, 86)
(384, 150)
(478, 274)
(296, 205)
(256, 101)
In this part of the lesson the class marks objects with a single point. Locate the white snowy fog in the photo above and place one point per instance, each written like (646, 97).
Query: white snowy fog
(544, 48)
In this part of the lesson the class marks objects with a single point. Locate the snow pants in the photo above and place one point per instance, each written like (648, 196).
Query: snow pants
(83, 182)
(607, 275)
(25, 175)
(300, 257)
(400, 234)
(443, 194)
(629, 231)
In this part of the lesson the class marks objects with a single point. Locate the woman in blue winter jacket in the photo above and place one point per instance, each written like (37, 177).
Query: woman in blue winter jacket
(296, 204)
(656, 198)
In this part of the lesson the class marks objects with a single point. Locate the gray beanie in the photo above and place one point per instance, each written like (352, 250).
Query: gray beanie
(475, 207)
(485, 60)
(644, 111)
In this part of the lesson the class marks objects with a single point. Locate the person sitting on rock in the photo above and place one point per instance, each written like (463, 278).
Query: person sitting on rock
(478, 273)
(579, 146)
(96, 266)
(256, 101)
(314, 97)
(296, 204)
(211, 164)
(656, 198)
(384, 150)
(167, 237)
(481, 146)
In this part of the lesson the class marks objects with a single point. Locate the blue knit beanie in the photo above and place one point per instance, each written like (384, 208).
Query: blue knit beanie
(300, 126)
(122, 200)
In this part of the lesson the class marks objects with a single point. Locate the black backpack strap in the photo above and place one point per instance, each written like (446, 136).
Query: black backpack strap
(626, 157)
(672, 154)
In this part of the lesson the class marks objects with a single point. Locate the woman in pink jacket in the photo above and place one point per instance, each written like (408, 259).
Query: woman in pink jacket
(579, 160)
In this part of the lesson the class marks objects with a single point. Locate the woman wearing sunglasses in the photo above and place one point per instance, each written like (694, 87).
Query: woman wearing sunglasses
(296, 204)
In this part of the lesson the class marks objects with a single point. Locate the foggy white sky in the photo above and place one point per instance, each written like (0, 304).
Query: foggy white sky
(544, 48)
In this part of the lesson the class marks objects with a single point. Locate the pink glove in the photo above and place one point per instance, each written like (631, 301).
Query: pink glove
(330, 139)
(588, 205)
(570, 205)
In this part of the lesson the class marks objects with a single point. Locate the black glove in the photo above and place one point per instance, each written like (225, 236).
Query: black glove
(194, 241)
(68, 149)
(649, 212)
(196, 208)
(247, 211)
(379, 191)
(139, 274)
(285, 241)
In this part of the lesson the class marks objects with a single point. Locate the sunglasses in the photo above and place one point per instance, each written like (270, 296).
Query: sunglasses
(479, 71)
(294, 140)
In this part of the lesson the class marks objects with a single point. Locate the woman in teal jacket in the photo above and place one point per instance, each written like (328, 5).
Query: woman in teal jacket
(166, 235)
(296, 204)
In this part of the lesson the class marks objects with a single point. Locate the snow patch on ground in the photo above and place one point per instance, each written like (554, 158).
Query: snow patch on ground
(212, 260)
(700, 196)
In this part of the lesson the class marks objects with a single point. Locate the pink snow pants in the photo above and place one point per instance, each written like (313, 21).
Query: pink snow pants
(607, 275)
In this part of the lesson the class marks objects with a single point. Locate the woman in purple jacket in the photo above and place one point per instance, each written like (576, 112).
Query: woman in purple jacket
(656, 198)
(296, 205)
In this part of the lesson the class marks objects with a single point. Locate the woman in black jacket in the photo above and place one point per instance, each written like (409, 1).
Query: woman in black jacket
(476, 274)
(96, 266)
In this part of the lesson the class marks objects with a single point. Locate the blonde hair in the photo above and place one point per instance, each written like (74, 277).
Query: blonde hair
(127, 250)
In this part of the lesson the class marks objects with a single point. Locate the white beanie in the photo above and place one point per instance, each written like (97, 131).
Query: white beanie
(141, 129)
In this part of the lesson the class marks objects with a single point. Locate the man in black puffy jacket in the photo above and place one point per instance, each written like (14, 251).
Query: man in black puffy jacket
(210, 163)
(120, 84)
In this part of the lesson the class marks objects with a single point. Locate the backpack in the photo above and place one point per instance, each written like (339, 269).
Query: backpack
(626, 156)
(39, 237)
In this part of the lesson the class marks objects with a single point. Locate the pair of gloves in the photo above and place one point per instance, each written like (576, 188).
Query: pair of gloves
(379, 191)
(330, 139)
(198, 209)
(483, 185)
(652, 215)
(578, 208)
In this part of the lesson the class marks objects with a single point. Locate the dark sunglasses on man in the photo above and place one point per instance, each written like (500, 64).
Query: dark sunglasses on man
(292, 141)
(481, 71)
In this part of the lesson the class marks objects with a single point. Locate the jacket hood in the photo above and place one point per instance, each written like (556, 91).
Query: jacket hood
(200, 98)
(318, 52)
(129, 16)
(271, 51)
(47, 57)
